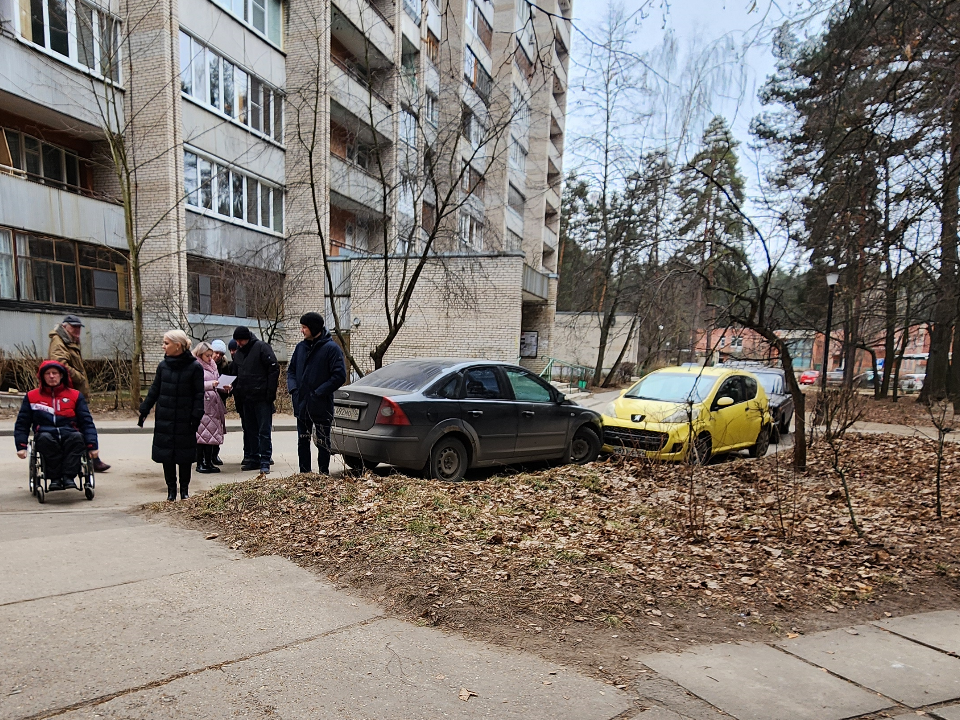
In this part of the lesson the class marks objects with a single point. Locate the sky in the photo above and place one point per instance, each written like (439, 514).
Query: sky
(697, 23)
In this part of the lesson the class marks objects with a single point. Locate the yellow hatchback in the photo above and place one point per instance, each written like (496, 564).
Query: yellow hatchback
(689, 413)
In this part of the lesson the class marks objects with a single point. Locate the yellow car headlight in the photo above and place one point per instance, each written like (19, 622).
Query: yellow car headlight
(610, 410)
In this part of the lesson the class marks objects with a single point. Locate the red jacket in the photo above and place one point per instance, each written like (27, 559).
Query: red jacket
(50, 409)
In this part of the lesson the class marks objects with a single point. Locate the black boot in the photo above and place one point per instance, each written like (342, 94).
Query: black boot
(171, 493)
(216, 457)
(211, 454)
(184, 487)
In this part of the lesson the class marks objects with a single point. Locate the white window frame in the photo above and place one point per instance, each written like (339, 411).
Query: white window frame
(72, 57)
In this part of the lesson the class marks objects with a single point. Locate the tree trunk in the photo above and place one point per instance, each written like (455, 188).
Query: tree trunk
(623, 351)
(890, 329)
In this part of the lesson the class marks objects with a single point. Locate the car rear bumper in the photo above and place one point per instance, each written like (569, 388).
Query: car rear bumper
(401, 450)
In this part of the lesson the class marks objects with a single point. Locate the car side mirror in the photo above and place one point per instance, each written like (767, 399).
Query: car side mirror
(559, 398)
(724, 401)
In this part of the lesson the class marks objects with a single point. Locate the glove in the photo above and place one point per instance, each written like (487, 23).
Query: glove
(140, 421)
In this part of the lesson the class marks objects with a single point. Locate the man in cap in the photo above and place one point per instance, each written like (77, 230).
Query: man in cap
(314, 372)
(255, 389)
(65, 349)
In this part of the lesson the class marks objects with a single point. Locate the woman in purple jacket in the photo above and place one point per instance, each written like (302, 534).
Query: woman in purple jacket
(210, 432)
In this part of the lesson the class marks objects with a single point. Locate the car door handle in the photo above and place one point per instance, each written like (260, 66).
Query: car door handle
(527, 413)
(475, 413)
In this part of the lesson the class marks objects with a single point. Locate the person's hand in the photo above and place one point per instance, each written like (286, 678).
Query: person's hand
(22, 454)
(140, 421)
(216, 382)
(226, 388)
(94, 454)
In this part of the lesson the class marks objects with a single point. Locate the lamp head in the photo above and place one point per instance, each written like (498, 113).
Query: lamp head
(833, 278)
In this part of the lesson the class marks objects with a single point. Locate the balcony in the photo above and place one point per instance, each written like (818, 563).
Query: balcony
(561, 31)
(536, 285)
(412, 8)
(552, 197)
(557, 117)
(359, 17)
(361, 191)
(559, 76)
(550, 240)
(348, 91)
(49, 210)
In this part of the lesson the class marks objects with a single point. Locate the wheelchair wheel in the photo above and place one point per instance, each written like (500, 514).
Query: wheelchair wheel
(88, 492)
(41, 495)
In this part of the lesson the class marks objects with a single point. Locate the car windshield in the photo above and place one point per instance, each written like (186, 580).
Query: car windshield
(673, 387)
(772, 383)
(409, 376)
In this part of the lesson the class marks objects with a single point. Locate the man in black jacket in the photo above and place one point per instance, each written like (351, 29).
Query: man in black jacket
(313, 373)
(255, 388)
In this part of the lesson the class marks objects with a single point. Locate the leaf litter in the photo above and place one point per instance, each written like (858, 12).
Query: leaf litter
(613, 545)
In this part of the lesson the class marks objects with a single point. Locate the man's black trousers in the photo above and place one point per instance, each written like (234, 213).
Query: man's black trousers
(306, 427)
(61, 455)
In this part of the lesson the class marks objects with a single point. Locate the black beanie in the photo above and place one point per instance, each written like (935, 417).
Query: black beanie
(314, 321)
(241, 333)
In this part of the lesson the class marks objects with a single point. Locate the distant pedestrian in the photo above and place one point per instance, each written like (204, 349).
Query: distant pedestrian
(177, 392)
(219, 355)
(255, 389)
(314, 372)
(223, 367)
(211, 431)
(65, 349)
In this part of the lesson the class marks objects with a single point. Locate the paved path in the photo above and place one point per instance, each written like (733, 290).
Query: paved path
(105, 614)
(904, 667)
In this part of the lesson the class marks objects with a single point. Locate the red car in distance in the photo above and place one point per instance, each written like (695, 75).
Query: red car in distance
(809, 377)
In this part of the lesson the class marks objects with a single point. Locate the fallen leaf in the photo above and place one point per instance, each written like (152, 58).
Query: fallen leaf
(212, 536)
(576, 599)
(467, 694)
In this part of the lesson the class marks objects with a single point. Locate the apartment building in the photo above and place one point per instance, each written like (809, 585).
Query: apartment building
(236, 160)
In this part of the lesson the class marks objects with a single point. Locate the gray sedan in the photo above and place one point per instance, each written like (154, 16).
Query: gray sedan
(447, 415)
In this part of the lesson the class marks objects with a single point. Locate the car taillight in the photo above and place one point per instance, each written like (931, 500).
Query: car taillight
(391, 414)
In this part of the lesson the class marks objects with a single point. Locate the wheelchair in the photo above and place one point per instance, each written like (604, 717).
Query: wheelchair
(38, 484)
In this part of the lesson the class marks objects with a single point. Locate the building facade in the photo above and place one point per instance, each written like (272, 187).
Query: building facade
(206, 164)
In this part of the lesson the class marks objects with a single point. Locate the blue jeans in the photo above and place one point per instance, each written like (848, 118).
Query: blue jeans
(257, 427)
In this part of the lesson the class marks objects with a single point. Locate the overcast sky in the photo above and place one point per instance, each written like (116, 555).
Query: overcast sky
(745, 22)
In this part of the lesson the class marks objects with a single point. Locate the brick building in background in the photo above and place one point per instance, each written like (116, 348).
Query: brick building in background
(212, 99)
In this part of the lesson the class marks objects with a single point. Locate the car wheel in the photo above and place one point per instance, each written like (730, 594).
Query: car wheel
(448, 460)
(701, 451)
(762, 444)
(585, 446)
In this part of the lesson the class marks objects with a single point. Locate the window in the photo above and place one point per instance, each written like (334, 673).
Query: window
(731, 388)
(428, 218)
(62, 272)
(46, 23)
(471, 127)
(432, 47)
(515, 200)
(471, 182)
(528, 388)
(518, 156)
(264, 16)
(219, 84)
(475, 75)
(750, 387)
(449, 389)
(514, 242)
(479, 24)
(231, 194)
(481, 384)
(520, 125)
(408, 128)
(218, 288)
(40, 161)
(431, 108)
(471, 231)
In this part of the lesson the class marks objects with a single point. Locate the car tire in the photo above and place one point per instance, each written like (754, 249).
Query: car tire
(759, 449)
(701, 451)
(585, 446)
(448, 460)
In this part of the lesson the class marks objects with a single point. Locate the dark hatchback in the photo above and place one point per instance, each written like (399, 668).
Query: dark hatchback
(447, 415)
(781, 401)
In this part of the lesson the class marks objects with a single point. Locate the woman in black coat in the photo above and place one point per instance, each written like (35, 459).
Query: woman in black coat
(177, 391)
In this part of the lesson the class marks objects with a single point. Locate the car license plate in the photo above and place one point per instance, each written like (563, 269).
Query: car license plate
(347, 413)
(628, 451)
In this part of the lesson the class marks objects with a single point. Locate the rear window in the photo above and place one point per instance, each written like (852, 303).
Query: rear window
(773, 384)
(409, 376)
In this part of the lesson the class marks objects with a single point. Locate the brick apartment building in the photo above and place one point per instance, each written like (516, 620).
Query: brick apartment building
(235, 211)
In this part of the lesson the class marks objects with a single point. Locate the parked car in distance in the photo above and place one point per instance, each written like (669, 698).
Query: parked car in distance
(447, 415)
(689, 413)
(911, 383)
(780, 400)
(809, 377)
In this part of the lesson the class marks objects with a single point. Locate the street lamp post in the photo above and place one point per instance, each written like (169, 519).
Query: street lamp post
(832, 279)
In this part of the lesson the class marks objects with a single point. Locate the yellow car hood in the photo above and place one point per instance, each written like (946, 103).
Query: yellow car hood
(649, 411)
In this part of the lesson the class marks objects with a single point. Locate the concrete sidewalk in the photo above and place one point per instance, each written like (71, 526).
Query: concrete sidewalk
(107, 614)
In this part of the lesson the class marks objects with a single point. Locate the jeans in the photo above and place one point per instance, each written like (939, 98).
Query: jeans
(306, 427)
(257, 426)
(61, 455)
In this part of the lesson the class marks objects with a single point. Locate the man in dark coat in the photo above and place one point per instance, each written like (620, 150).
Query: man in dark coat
(61, 423)
(258, 374)
(313, 373)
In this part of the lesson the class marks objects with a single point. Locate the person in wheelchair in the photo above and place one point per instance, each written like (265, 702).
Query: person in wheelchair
(62, 426)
